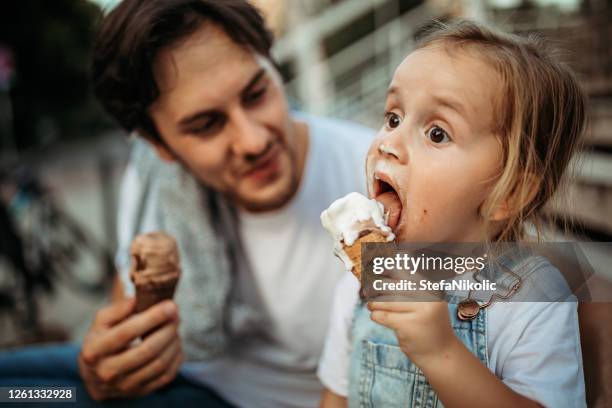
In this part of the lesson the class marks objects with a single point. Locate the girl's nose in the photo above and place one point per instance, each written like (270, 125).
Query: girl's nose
(392, 147)
(389, 150)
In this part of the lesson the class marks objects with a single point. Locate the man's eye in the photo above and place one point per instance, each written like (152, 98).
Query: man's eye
(438, 135)
(392, 120)
(255, 96)
(209, 126)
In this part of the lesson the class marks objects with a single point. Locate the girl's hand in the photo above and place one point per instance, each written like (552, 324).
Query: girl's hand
(423, 329)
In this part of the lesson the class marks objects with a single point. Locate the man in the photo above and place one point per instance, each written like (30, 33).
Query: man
(240, 181)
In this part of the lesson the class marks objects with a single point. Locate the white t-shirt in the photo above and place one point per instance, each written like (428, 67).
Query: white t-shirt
(533, 347)
(295, 273)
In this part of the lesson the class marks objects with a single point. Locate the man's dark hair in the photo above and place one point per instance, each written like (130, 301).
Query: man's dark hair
(132, 34)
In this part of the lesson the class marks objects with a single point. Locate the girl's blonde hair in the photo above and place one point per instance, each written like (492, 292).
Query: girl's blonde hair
(540, 118)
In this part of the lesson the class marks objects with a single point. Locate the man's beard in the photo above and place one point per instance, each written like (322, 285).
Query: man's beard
(253, 205)
(280, 199)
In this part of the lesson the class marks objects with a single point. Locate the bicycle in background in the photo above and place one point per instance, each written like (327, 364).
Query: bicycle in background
(40, 246)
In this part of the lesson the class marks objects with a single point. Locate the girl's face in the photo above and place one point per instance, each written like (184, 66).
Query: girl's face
(436, 156)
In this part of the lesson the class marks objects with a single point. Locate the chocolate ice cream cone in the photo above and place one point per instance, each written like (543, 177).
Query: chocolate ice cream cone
(148, 295)
(155, 268)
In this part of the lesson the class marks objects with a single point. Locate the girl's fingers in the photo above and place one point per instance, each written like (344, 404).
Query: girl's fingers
(402, 314)
(393, 306)
(392, 320)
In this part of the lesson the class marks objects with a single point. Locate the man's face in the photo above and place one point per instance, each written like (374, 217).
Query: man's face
(222, 113)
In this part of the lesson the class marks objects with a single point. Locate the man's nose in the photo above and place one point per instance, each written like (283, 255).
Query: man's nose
(249, 137)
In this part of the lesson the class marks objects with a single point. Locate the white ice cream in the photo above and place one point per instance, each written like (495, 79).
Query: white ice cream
(348, 216)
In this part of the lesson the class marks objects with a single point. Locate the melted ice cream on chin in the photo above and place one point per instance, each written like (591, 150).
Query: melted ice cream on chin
(155, 259)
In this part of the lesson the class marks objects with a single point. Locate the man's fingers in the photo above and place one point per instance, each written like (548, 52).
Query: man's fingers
(138, 325)
(138, 356)
(115, 312)
(120, 336)
(154, 369)
(97, 389)
(165, 378)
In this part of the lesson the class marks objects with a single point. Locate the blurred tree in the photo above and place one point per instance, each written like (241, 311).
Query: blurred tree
(50, 42)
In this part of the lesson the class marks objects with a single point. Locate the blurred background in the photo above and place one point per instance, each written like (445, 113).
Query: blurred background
(61, 157)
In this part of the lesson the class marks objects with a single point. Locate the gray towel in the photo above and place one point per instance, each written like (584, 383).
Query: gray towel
(205, 226)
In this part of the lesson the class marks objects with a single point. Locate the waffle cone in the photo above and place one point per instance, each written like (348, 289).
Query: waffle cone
(148, 295)
(354, 251)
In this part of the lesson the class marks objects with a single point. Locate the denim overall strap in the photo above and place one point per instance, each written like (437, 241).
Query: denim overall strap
(381, 375)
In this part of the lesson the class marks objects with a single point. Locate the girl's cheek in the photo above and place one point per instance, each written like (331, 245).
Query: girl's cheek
(373, 150)
(370, 166)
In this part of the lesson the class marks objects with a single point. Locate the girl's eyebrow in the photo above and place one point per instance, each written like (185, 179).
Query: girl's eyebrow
(451, 104)
(393, 90)
(447, 102)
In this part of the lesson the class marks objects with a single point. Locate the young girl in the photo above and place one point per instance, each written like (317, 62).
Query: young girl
(478, 131)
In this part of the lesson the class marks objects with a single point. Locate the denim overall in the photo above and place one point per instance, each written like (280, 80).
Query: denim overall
(382, 376)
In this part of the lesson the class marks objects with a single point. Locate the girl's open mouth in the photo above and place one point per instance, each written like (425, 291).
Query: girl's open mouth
(387, 195)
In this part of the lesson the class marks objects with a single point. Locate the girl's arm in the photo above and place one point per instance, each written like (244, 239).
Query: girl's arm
(425, 335)
(333, 370)
(461, 380)
(329, 399)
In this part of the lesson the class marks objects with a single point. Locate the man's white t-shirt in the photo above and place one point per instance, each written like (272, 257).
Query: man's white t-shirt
(295, 273)
(533, 347)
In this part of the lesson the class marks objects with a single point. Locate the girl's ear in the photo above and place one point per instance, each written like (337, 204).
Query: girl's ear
(501, 213)
(519, 198)
(163, 152)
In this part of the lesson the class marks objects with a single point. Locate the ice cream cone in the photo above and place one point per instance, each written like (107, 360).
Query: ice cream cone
(148, 295)
(351, 221)
(155, 269)
(354, 251)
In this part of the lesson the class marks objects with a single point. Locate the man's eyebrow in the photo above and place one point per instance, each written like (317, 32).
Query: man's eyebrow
(258, 75)
(189, 119)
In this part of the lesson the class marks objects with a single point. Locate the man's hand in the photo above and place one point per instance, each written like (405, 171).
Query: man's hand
(112, 366)
(423, 329)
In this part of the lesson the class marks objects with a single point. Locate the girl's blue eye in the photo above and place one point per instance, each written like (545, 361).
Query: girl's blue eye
(392, 120)
(438, 135)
